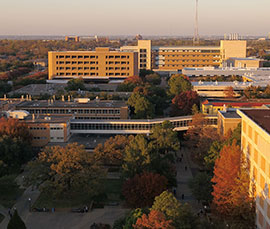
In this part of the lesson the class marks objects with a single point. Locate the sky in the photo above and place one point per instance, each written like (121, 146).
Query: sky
(130, 17)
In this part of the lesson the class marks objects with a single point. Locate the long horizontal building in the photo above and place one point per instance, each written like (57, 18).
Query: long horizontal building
(81, 109)
(102, 62)
(176, 58)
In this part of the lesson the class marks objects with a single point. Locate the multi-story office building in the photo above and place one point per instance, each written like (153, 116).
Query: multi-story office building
(144, 50)
(177, 58)
(81, 109)
(102, 62)
(255, 144)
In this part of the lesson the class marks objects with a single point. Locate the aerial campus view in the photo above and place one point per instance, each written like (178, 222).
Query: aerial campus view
(134, 114)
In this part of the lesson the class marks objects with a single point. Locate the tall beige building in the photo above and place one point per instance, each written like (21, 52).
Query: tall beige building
(144, 50)
(102, 62)
(255, 144)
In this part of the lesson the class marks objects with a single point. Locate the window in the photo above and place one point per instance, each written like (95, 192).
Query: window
(255, 137)
(263, 164)
(256, 156)
(249, 131)
(244, 126)
(262, 182)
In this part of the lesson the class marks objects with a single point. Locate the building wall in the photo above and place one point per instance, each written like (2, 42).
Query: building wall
(40, 133)
(226, 124)
(99, 63)
(169, 58)
(255, 144)
(233, 48)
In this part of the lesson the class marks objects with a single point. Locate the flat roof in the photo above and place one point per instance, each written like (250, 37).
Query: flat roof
(230, 114)
(261, 117)
(48, 118)
(73, 104)
(186, 47)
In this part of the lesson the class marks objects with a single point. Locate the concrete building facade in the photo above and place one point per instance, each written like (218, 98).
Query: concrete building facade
(102, 62)
(255, 143)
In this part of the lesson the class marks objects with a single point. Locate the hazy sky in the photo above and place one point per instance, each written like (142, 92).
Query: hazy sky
(129, 17)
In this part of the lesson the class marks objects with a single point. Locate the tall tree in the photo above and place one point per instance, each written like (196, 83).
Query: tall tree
(136, 157)
(226, 169)
(75, 84)
(141, 105)
(154, 220)
(164, 139)
(141, 190)
(177, 84)
(229, 92)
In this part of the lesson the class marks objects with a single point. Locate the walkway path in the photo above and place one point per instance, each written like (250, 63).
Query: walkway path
(184, 174)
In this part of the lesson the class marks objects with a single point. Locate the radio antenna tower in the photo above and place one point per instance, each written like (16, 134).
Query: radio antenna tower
(196, 38)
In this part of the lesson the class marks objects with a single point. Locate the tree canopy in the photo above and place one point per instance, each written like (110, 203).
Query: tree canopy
(177, 84)
(16, 222)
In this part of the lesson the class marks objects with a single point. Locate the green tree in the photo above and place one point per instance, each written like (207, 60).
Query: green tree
(16, 222)
(141, 105)
(180, 215)
(212, 155)
(195, 109)
(177, 84)
(164, 139)
(201, 186)
(136, 157)
(154, 79)
(75, 84)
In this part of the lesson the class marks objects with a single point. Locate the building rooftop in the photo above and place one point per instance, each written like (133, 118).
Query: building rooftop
(186, 47)
(231, 113)
(261, 117)
(73, 104)
(236, 102)
(47, 119)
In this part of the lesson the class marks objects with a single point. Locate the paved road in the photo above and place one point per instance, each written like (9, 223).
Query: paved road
(184, 174)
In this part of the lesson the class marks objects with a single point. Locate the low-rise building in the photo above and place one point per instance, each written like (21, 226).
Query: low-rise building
(248, 62)
(227, 120)
(80, 108)
(213, 106)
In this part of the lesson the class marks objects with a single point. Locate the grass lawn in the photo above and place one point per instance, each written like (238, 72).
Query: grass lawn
(1, 218)
(112, 188)
(9, 191)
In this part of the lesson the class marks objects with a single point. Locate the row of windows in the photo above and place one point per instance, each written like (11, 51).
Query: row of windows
(76, 68)
(188, 50)
(38, 128)
(76, 57)
(107, 126)
(117, 74)
(73, 111)
(180, 65)
(200, 56)
(56, 128)
(56, 138)
(97, 117)
(117, 68)
(117, 57)
(76, 62)
(117, 62)
(198, 60)
(77, 74)
(39, 138)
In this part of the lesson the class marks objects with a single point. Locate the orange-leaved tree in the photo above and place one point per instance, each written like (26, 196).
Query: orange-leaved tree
(141, 190)
(226, 170)
(154, 220)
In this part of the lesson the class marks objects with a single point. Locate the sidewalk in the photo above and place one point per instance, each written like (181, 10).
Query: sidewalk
(183, 177)
(22, 205)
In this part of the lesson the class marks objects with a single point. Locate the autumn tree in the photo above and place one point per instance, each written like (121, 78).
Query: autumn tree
(136, 156)
(154, 220)
(200, 137)
(112, 151)
(177, 84)
(229, 92)
(66, 170)
(141, 190)
(14, 128)
(182, 103)
(226, 169)
(154, 79)
(130, 83)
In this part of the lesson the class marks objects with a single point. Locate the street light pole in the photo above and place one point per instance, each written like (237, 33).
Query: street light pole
(29, 201)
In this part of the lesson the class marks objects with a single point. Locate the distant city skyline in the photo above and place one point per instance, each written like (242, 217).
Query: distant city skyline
(146, 17)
